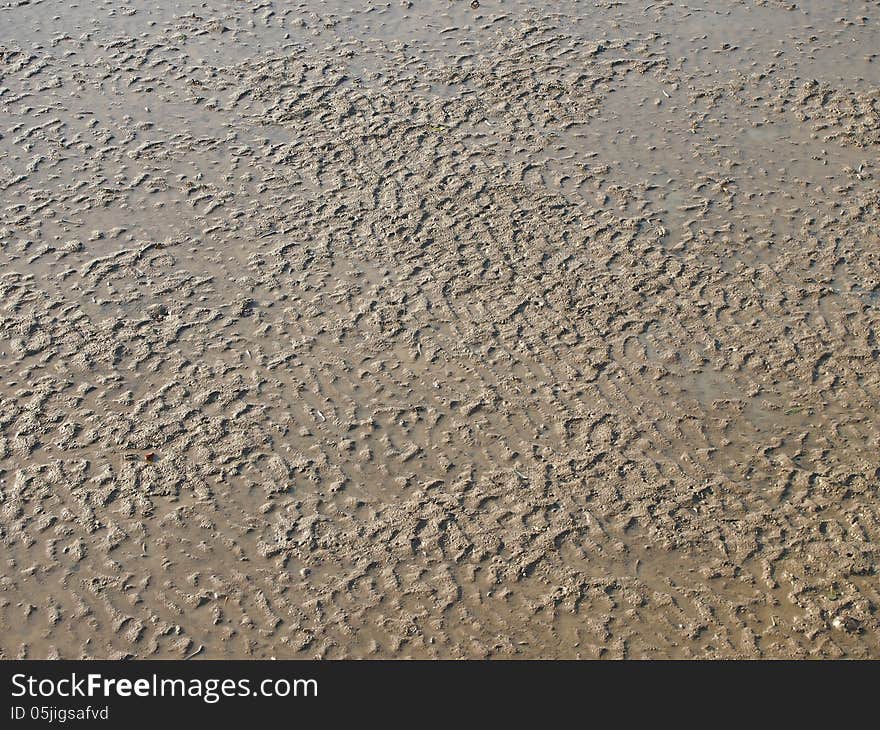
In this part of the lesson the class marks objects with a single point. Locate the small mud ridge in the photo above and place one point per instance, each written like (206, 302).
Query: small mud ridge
(449, 329)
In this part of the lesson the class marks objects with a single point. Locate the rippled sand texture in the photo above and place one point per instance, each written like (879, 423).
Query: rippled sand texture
(340, 329)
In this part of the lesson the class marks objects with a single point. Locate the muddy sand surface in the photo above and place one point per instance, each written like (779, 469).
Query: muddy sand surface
(439, 329)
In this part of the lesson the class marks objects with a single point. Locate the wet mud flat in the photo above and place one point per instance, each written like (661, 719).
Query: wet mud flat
(407, 329)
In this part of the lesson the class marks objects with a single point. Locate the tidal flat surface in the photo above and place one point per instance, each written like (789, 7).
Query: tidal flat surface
(439, 329)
